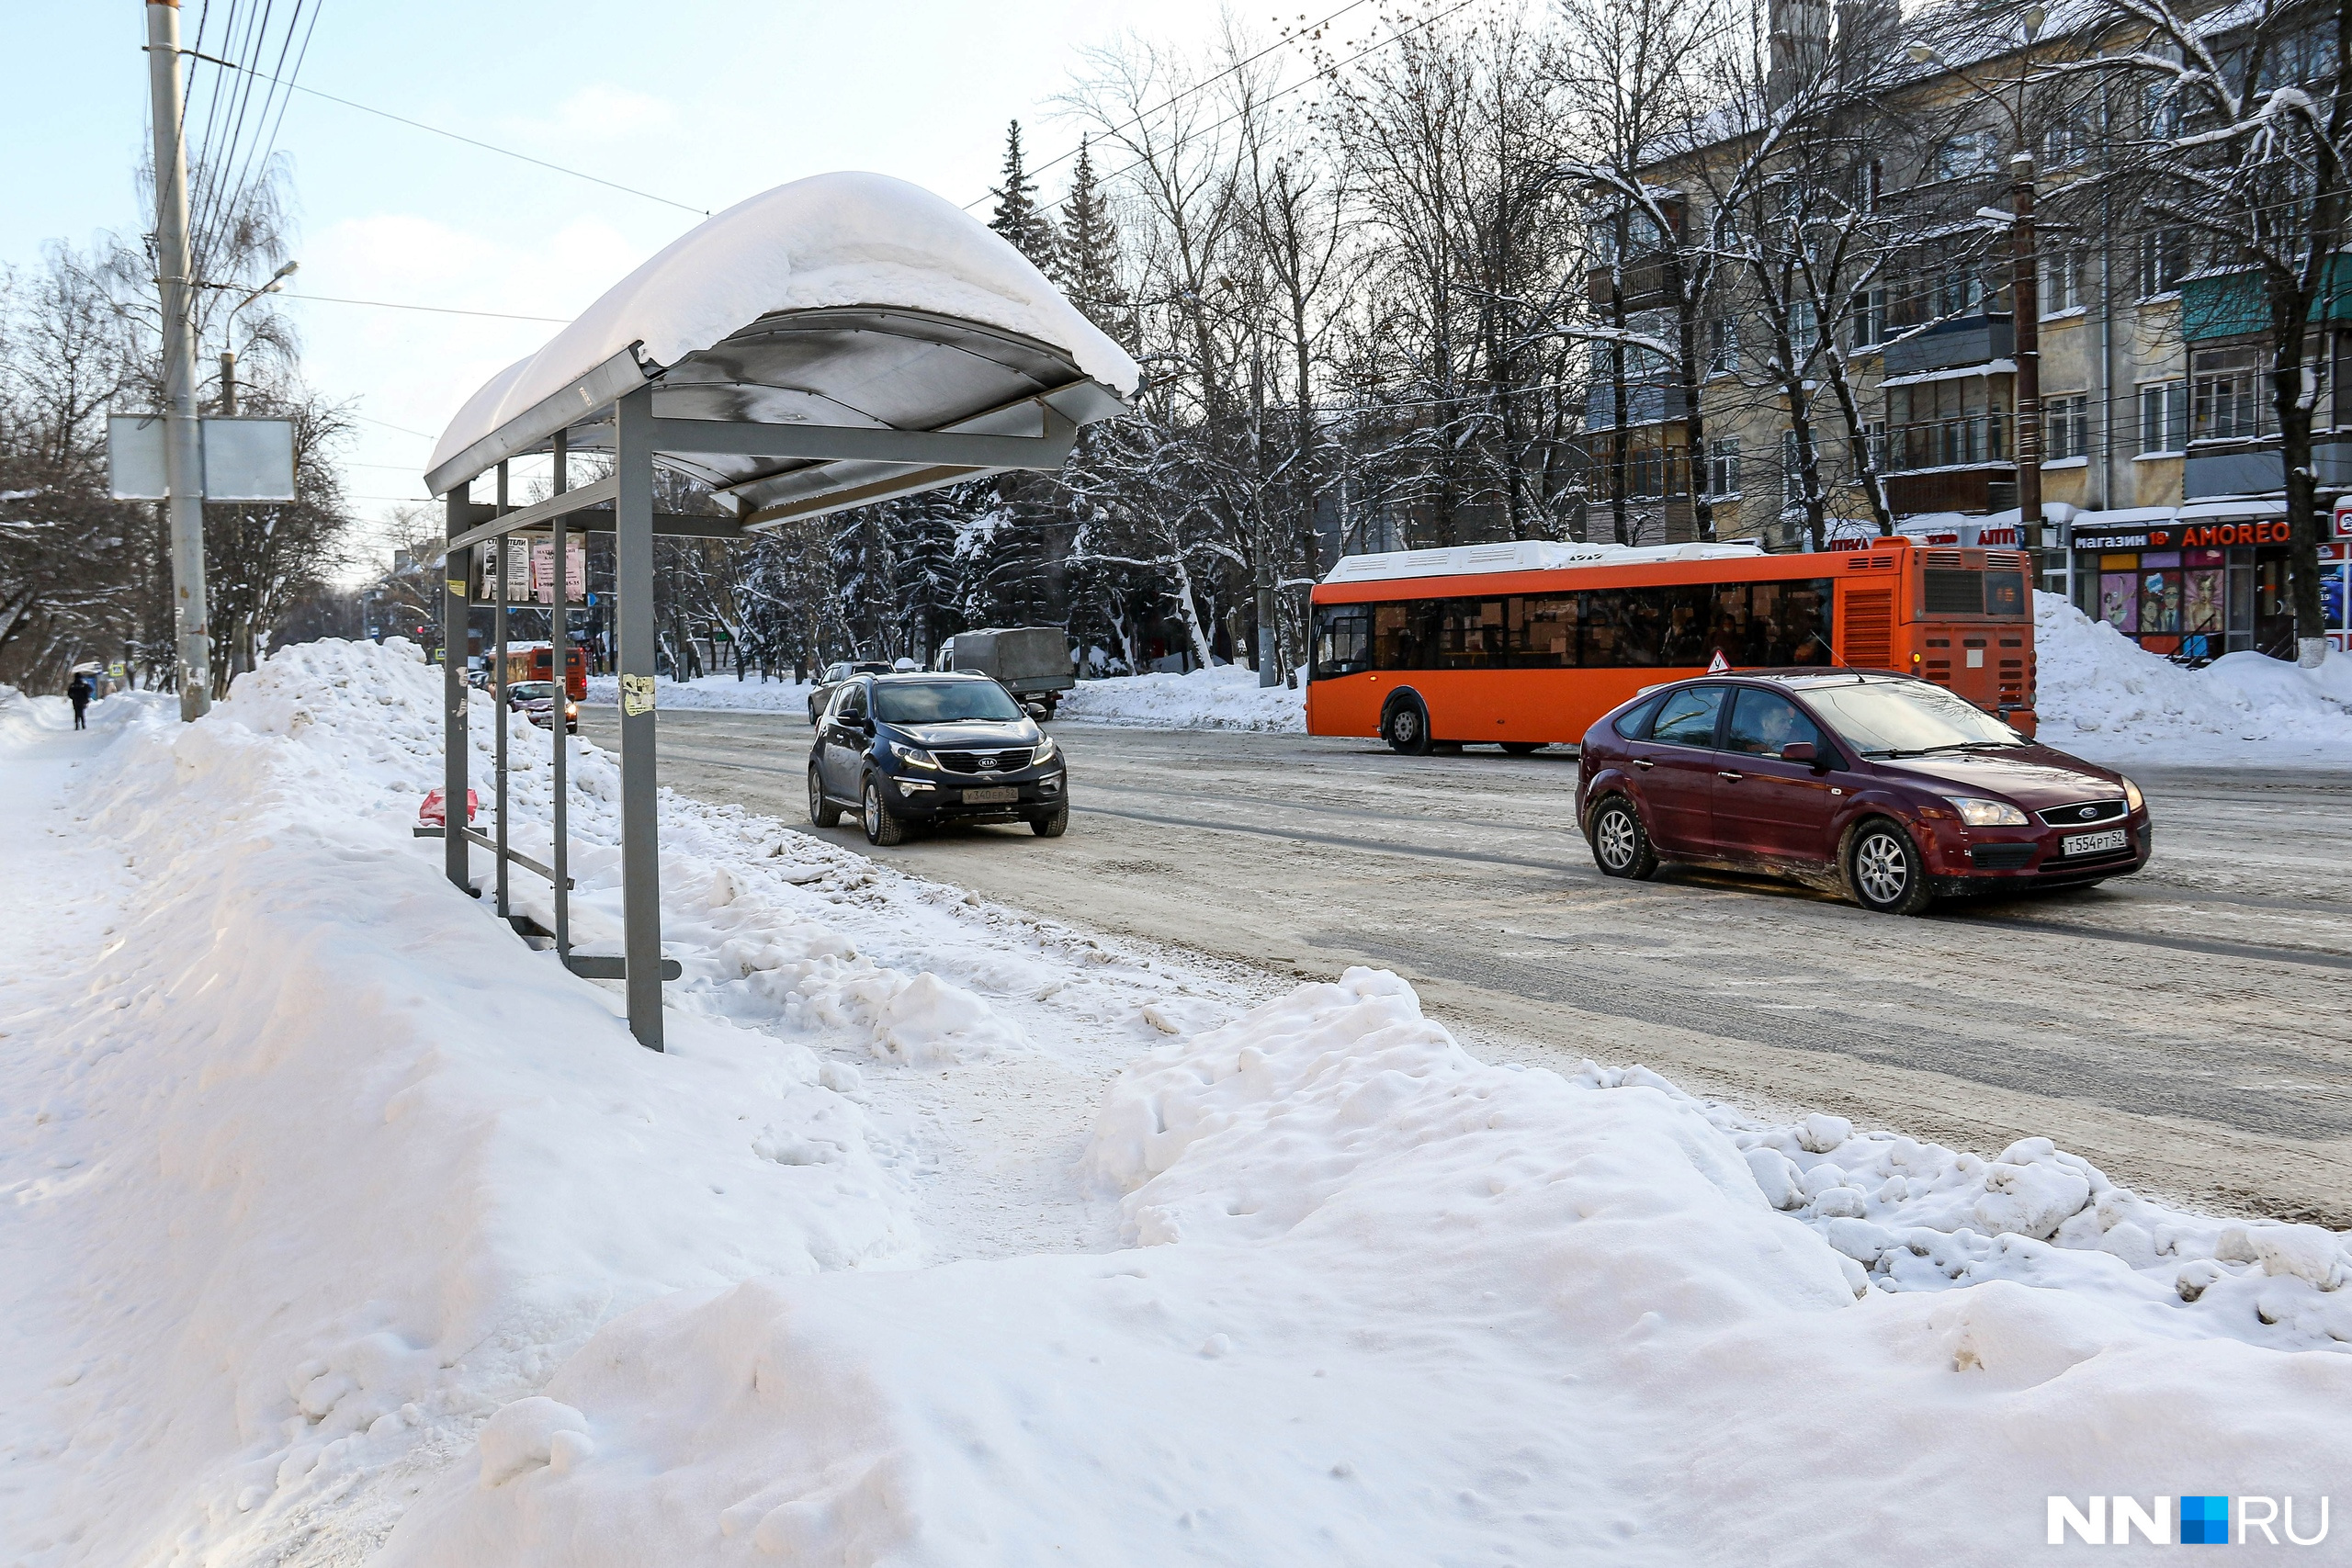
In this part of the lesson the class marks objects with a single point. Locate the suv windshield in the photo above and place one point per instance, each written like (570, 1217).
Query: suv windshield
(1891, 718)
(942, 702)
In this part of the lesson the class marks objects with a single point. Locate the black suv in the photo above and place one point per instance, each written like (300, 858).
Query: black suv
(914, 749)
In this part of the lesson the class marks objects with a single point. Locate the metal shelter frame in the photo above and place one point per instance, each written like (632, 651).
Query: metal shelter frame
(611, 407)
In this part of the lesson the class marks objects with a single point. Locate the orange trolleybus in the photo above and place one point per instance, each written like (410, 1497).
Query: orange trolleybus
(536, 661)
(1527, 644)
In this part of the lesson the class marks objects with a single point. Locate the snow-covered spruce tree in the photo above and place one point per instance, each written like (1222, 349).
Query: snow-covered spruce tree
(1017, 216)
(2243, 133)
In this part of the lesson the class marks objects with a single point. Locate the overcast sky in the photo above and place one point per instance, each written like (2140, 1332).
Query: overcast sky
(701, 101)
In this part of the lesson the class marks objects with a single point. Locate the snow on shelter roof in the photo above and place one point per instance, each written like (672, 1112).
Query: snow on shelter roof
(848, 299)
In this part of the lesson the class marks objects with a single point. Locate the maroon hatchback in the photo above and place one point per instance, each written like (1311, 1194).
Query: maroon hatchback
(1888, 789)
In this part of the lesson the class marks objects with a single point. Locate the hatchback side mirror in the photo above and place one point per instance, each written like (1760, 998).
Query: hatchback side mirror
(1803, 752)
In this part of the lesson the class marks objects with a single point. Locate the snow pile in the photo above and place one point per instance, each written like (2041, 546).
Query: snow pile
(1386, 1303)
(313, 1168)
(2102, 693)
(723, 691)
(1223, 696)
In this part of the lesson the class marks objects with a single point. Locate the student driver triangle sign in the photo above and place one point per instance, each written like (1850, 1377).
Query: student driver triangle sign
(1719, 665)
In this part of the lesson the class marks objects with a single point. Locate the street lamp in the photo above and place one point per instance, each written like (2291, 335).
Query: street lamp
(229, 355)
(2025, 292)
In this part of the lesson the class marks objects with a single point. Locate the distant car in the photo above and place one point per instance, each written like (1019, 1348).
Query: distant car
(536, 699)
(910, 751)
(829, 681)
(1888, 788)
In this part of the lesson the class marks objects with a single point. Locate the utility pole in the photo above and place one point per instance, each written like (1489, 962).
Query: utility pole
(2025, 289)
(183, 438)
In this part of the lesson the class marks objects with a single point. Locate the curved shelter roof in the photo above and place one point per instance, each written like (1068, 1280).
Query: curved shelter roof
(850, 300)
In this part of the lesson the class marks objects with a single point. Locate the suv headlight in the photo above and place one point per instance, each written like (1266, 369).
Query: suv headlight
(2132, 799)
(1046, 752)
(912, 756)
(1986, 813)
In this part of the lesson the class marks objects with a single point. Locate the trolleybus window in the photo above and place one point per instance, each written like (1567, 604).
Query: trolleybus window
(1755, 625)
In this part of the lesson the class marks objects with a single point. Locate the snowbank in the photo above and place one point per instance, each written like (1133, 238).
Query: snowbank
(1225, 697)
(1387, 1304)
(749, 694)
(2102, 693)
(314, 1167)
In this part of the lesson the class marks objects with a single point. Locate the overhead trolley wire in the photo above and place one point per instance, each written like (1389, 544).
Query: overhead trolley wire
(468, 141)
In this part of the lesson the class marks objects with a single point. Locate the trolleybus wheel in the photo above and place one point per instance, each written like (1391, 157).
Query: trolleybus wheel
(1406, 726)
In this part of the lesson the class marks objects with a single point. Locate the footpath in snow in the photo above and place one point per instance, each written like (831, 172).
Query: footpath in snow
(346, 1227)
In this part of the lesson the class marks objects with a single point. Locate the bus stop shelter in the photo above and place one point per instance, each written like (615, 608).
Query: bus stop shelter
(836, 341)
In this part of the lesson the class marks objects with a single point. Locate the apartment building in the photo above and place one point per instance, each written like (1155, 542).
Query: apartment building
(2160, 475)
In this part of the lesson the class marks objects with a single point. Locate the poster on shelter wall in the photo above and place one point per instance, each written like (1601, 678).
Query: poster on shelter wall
(575, 576)
(2118, 601)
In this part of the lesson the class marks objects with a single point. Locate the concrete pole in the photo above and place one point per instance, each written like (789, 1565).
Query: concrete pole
(183, 437)
(641, 821)
(498, 674)
(2026, 296)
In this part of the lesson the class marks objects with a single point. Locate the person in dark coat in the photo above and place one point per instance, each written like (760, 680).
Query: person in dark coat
(79, 694)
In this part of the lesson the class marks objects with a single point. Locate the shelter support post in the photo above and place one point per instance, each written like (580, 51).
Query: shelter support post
(498, 667)
(561, 637)
(640, 846)
(455, 855)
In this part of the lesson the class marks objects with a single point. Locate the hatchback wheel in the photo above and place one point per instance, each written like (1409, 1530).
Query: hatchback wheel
(1883, 870)
(822, 812)
(883, 826)
(1620, 845)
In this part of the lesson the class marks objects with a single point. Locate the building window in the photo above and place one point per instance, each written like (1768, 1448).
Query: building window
(1805, 333)
(1959, 290)
(2163, 260)
(2066, 426)
(2164, 417)
(1648, 473)
(1723, 466)
(2062, 281)
(2225, 402)
(1723, 344)
(1965, 153)
(2066, 145)
(1870, 318)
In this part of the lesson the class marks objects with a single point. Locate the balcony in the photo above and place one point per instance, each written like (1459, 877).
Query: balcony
(1977, 440)
(1644, 405)
(1642, 278)
(1972, 339)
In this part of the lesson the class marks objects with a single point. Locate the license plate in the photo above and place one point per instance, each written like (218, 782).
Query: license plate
(2091, 843)
(1004, 796)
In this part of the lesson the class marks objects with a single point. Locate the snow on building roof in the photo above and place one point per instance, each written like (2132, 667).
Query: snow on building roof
(904, 288)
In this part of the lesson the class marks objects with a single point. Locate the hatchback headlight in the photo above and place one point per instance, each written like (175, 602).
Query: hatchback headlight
(1046, 752)
(1987, 813)
(2132, 799)
(912, 756)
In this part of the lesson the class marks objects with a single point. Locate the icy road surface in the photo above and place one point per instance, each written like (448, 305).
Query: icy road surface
(2183, 1029)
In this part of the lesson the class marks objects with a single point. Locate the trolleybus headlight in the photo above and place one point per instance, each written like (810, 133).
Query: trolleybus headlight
(2132, 799)
(1986, 813)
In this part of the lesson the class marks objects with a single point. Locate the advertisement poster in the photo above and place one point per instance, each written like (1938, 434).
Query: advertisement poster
(575, 578)
(2118, 601)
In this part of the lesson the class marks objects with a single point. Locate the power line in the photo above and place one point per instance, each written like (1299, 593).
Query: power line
(388, 425)
(437, 309)
(1195, 87)
(468, 141)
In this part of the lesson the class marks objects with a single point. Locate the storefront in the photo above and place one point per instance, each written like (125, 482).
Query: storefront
(2200, 581)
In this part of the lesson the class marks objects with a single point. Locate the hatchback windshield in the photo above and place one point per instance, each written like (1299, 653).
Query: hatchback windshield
(1894, 718)
(530, 691)
(942, 702)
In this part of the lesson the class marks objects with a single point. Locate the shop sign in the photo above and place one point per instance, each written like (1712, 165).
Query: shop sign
(2343, 529)
(2191, 535)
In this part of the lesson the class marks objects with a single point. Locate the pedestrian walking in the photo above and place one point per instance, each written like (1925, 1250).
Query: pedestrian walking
(79, 694)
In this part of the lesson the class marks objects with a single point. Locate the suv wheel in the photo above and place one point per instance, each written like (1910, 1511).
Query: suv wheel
(822, 812)
(1620, 845)
(883, 826)
(1884, 869)
(1054, 824)
(1406, 726)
